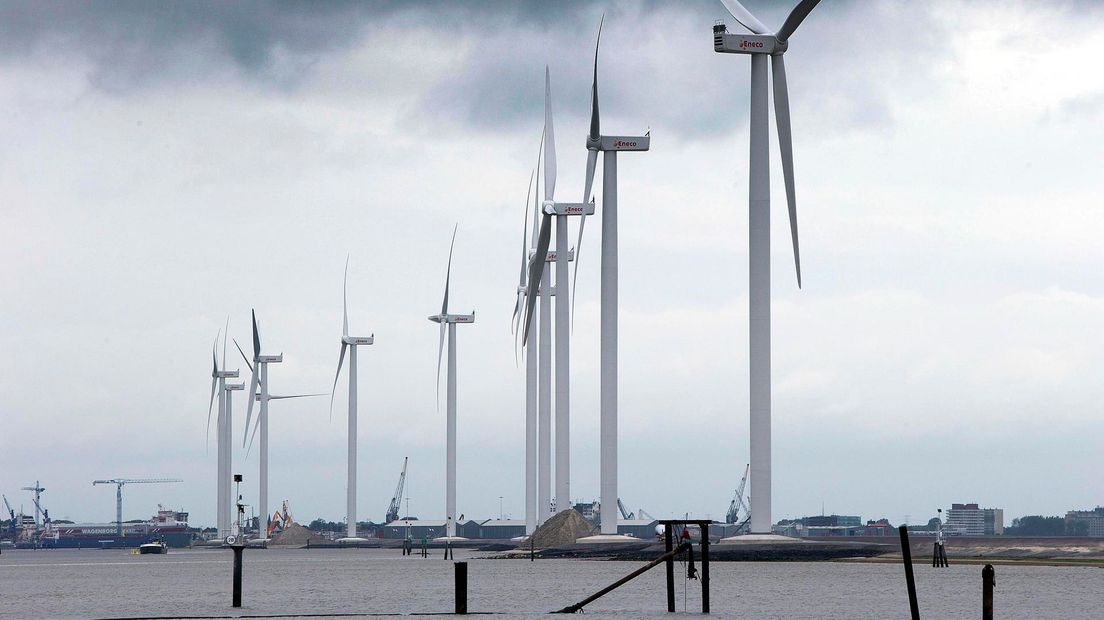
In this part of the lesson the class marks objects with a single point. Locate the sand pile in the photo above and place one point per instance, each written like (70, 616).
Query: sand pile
(562, 529)
(295, 535)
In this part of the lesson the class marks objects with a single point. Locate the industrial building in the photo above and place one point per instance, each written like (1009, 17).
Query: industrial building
(1093, 519)
(970, 520)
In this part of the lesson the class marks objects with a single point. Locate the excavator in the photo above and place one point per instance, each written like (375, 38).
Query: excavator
(280, 520)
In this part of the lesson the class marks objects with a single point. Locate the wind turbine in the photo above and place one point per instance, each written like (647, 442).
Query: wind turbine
(759, 45)
(259, 377)
(351, 343)
(562, 256)
(532, 513)
(449, 320)
(223, 429)
(609, 146)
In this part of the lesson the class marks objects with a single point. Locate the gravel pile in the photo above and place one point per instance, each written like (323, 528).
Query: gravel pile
(295, 535)
(562, 529)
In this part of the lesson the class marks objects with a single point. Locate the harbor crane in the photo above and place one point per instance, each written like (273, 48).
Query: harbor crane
(737, 503)
(393, 509)
(37, 489)
(11, 513)
(625, 514)
(119, 482)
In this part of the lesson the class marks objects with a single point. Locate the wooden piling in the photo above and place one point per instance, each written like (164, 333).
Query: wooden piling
(668, 546)
(906, 555)
(988, 581)
(705, 569)
(461, 587)
(237, 597)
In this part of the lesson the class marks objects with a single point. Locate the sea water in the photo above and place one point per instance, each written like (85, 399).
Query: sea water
(197, 582)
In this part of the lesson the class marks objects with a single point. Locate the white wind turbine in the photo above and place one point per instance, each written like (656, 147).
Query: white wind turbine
(759, 45)
(259, 378)
(449, 320)
(351, 343)
(538, 389)
(223, 517)
(610, 146)
(562, 256)
(532, 514)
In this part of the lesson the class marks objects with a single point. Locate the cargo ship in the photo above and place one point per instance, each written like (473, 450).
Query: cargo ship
(168, 526)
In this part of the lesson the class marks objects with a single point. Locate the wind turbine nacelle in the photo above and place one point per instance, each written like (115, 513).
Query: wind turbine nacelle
(235, 386)
(270, 359)
(626, 143)
(461, 318)
(551, 257)
(227, 374)
(728, 43)
(571, 208)
(358, 340)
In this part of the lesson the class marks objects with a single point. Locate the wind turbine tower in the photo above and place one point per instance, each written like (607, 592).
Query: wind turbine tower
(609, 146)
(259, 377)
(760, 45)
(351, 343)
(448, 323)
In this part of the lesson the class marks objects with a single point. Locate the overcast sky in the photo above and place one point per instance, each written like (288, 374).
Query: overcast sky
(165, 165)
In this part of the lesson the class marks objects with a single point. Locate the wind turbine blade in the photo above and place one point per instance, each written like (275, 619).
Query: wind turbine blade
(225, 335)
(257, 425)
(440, 352)
(253, 380)
(345, 301)
(448, 272)
(524, 251)
(796, 16)
(340, 361)
(746, 19)
(271, 397)
(256, 336)
(549, 141)
(595, 125)
(244, 357)
(536, 192)
(214, 386)
(592, 162)
(785, 146)
(536, 270)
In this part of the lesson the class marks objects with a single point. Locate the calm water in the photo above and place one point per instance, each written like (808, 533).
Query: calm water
(91, 583)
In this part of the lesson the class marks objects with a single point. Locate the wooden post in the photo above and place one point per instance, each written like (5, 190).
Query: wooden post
(667, 546)
(572, 609)
(532, 555)
(705, 567)
(461, 587)
(906, 555)
(988, 581)
(237, 574)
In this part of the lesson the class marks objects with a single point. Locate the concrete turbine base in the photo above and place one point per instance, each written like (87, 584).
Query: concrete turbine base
(758, 539)
(351, 540)
(602, 539)
(520, 538)
(446, 539)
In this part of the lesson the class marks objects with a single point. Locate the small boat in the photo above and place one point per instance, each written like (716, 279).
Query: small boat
(155, 547)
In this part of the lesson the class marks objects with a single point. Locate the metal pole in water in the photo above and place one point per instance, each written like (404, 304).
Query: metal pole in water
(237, 574)
(461, 587)
(667, 546)
(906, 555)
(705, 568)
(988, 581)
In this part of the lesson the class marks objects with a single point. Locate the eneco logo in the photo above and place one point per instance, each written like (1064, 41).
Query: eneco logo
(744, 44)
(624, 144)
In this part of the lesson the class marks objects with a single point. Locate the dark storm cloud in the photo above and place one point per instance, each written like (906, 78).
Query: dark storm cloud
(657, 69)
